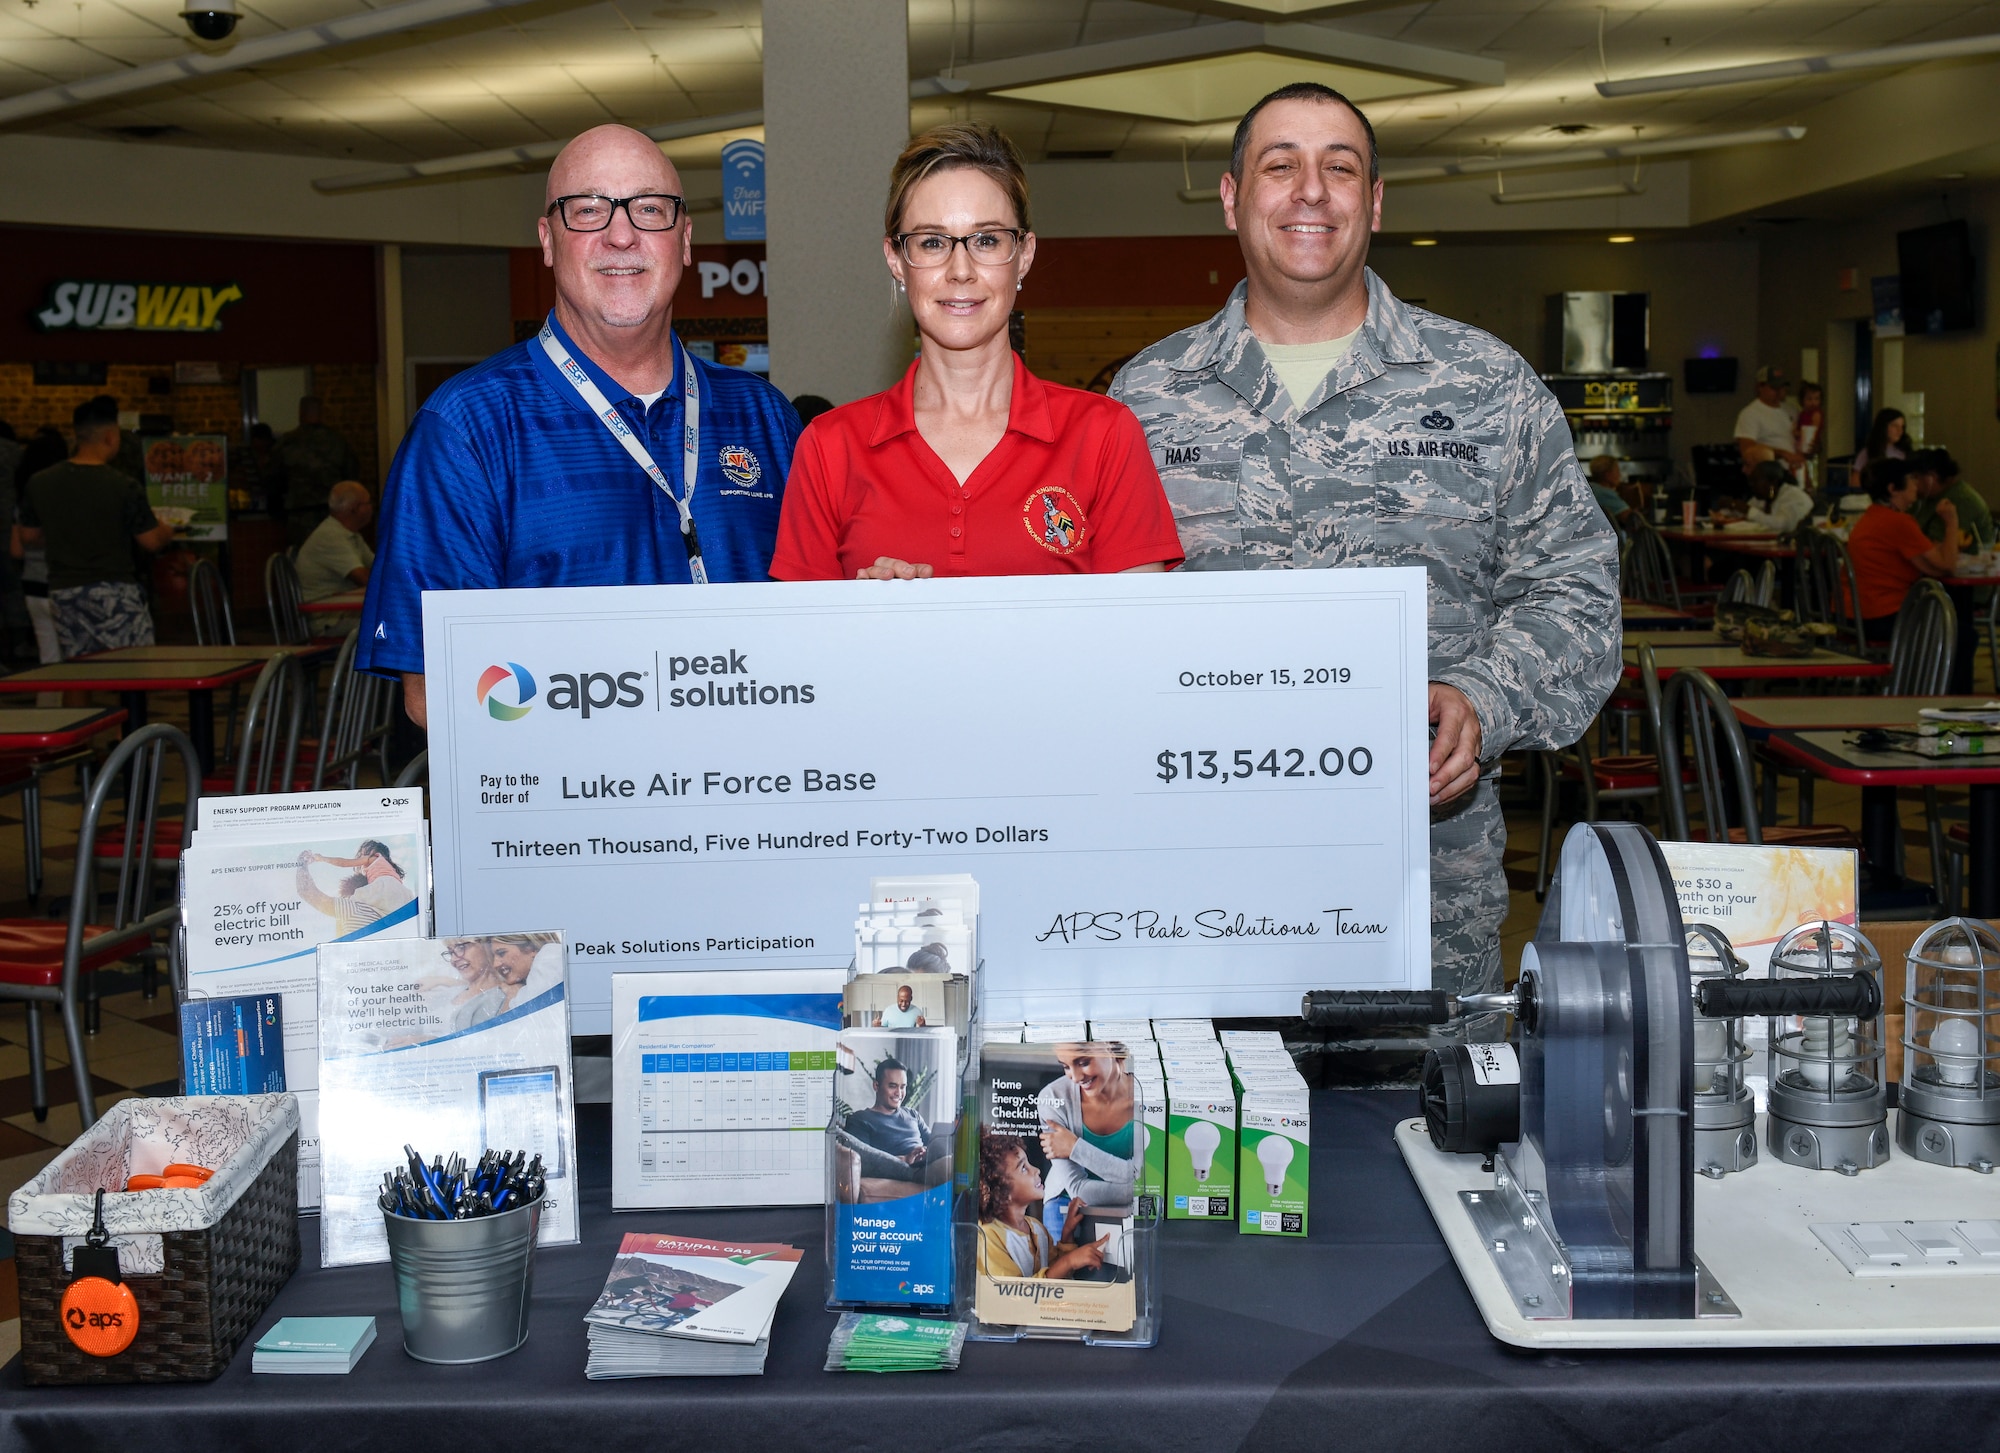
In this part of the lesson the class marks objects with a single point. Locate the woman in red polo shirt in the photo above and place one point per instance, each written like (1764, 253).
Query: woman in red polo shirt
(1889, 549)
(971, 465)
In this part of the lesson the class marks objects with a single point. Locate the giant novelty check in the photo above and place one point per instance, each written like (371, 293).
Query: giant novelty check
(1180, 794)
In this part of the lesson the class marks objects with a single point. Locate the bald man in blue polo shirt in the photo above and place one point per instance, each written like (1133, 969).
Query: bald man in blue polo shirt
(565, 460)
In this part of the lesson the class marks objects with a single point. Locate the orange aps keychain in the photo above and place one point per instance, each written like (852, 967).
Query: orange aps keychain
(99, 1313)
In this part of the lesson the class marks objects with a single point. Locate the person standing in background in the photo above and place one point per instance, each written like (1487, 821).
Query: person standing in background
(1764, 426)
(47, 448)
(1807, 429)
(90, 515)
(1885, 441)
(313, 458)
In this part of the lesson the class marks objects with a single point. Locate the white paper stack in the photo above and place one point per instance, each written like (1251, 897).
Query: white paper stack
(268, 879)
(676, 1306)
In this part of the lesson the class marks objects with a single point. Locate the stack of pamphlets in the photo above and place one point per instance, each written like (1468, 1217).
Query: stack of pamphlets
(313, 1344)
(265, 881)
(873, 1342)
(675, 1306)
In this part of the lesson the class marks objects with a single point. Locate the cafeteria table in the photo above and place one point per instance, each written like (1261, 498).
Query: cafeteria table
(1731, 663)
(1359, 1335)
(1646, 613)
(1829, 754)
(310, 651)
(1761, 715)
(135, 680)
(1672, 640)
(347, 600)
(54, 728)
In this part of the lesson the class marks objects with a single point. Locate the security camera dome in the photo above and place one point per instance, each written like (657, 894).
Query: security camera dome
(210, 19)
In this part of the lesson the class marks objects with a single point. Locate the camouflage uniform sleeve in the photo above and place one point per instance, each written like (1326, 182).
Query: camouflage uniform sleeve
(1552, 655)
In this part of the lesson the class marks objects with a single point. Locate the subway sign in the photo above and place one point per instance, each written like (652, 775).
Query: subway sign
(137, 307)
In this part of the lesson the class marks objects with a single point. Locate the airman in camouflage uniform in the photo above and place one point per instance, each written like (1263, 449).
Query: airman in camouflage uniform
(1428, 443)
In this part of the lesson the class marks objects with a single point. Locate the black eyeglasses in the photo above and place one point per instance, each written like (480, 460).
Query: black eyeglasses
(932, 249)
(649, 212)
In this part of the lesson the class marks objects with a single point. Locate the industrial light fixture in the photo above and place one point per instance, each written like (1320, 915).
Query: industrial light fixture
(1621, 237)
(1949, 1110)
(1828, 1105)
(1423, 242)
(1725, 1110)
(1854, 60)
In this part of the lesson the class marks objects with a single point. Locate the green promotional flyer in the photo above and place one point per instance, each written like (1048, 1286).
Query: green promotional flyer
(187, 484)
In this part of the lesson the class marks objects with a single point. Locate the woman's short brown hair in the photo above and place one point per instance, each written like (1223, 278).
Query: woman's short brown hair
(972, 144)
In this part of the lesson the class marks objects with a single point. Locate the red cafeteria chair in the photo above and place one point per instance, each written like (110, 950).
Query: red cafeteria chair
(51, 963)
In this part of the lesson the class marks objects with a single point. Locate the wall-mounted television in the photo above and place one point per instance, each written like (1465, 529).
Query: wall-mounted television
(1936, 265)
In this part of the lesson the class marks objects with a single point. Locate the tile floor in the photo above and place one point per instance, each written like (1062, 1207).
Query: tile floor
(136, 1050)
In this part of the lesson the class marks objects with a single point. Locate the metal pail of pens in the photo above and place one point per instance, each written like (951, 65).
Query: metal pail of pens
(463, 1286)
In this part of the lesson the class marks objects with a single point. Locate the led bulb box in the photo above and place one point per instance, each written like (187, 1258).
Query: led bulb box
(1201, 1149)
(1274, 1157)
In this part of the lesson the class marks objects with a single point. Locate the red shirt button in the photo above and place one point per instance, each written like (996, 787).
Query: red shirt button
(954, 532)
(955, 509)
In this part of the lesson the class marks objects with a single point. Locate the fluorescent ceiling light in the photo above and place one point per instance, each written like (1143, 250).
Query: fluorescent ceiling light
(1423, 242)
(1570, 194)
(1424, 171)
(1219, 88)
(1622, 237)
(1854, 60)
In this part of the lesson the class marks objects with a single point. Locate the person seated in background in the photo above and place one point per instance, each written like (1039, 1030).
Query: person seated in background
(1937, 477)
(90, 515)
(1605, 478)
(1764, 427)
(335, 559)
(1777, 504)
(1890, 550)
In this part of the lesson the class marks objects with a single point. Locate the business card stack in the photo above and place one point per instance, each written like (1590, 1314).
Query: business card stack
(675, 1306)
(314, 1345)
(872, 1342)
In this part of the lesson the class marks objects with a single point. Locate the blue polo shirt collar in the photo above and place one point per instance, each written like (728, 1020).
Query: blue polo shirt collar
(612, 389)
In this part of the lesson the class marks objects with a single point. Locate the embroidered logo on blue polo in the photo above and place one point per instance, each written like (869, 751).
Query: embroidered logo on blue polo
(739, 465)
(1437, 419)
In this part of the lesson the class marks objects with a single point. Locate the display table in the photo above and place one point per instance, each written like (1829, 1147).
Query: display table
(1361, 1337)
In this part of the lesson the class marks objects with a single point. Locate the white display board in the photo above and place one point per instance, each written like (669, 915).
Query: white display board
(1192, 795)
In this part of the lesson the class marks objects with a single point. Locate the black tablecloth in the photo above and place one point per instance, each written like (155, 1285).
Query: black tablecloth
(1362, 1336)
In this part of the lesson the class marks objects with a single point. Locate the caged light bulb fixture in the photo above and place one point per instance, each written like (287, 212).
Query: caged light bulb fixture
(1274, 1153)
(1725, 1110)
(1202, 1139)
(1829, 1107)
(1949, 1108)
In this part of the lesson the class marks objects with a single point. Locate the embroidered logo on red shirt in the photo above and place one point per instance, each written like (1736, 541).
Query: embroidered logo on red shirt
(1055, 519)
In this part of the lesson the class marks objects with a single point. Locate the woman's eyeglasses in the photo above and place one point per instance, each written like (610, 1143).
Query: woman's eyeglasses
(932, 249)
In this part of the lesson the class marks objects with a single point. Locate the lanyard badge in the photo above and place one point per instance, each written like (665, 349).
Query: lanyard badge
(98, 1311)
(614, 421)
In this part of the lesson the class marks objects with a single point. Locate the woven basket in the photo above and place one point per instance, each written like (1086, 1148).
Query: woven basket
(215, 1285)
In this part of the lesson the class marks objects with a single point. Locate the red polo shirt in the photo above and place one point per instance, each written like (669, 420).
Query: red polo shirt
(1069, 489)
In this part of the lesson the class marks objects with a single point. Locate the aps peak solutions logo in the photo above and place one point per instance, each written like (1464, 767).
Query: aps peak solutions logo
(524, 691)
